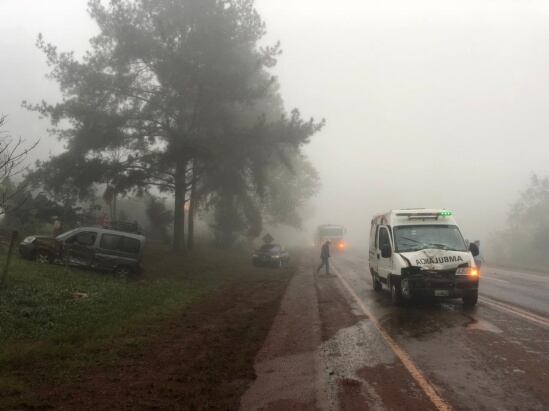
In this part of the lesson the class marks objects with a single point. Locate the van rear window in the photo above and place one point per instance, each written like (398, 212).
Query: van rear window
(120, 243)
(109, 242)
(130, 245)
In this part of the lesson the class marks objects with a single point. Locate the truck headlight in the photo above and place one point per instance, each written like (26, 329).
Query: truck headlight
(276, 257)
(29, 240)
(468, 271)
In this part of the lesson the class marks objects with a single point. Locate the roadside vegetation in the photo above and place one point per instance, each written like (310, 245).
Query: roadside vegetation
(57, 324)
(524, 242)
(176, 99)
(171, 121)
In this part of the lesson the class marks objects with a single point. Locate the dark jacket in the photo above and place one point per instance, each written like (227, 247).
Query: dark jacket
(325, 251)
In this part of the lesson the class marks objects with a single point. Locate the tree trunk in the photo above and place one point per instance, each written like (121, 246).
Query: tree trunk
(192, 211)
(179, 209)
(114, 208)
(228, 220)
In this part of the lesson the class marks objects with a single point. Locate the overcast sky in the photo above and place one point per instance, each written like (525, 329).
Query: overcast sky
(428, 103)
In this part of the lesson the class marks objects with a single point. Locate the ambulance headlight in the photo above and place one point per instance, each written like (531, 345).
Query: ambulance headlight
(472, 272)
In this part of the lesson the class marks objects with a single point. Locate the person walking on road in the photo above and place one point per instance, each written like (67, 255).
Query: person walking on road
(325, 257)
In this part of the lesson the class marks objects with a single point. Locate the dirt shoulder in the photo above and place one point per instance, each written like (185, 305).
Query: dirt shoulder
(201, 357)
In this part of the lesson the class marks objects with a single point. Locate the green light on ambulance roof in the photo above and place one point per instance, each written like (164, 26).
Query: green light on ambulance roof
(446, 214)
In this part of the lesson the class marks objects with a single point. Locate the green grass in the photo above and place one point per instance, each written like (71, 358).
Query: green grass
(45, 333)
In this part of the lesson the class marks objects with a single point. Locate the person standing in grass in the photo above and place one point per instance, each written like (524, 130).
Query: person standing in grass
(325, 257)
(57, 227)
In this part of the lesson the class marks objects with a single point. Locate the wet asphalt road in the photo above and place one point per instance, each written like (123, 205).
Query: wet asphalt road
(481, 358)
(525, 289)
(346, 347)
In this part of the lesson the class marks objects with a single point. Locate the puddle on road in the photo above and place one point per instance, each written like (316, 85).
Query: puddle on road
(348, 351)
(353, 348)
(482, 325)
(423, 320)
(357, 364)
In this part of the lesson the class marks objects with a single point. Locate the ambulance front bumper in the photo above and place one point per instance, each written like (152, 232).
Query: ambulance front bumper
(441, 284)
(440, 288)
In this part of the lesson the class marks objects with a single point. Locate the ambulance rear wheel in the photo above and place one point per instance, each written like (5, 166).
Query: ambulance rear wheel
(376, 283)
(470, 300)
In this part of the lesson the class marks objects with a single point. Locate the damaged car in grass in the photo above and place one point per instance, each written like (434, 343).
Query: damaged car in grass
(88, 247)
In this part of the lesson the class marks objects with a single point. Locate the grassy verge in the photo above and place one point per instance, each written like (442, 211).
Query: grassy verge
(47, 334)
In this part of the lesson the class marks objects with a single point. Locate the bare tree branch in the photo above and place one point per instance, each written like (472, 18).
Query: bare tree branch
(12, 159)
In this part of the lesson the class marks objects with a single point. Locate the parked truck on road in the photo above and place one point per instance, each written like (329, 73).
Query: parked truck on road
(334, 233)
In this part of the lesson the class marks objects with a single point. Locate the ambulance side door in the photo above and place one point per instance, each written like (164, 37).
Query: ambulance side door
(384, 252)
(373, 249)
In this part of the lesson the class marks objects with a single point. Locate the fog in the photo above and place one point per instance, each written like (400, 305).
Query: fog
(428, 103)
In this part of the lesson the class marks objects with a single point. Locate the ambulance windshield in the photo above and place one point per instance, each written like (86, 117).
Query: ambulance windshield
(420, 237)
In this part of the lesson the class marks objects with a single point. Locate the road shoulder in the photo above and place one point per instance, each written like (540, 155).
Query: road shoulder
(324, 354)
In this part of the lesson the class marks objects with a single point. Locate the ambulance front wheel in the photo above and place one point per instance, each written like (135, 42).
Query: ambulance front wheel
(405, 289)
(396, 292)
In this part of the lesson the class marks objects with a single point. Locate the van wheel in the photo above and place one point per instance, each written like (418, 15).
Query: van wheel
(470, 300)
(43, 257)
(396, 292)
(376, 283)
(405, 290)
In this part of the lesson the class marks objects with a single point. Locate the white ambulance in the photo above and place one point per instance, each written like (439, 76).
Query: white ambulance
(421, 252)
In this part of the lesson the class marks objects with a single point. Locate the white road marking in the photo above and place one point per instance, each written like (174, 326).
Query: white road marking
(517, 275)
(525, 282)
(417, 375)
(489, 278)
(516, 311)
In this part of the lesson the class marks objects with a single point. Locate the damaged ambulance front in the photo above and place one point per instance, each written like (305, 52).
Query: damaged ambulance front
(435, 261)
